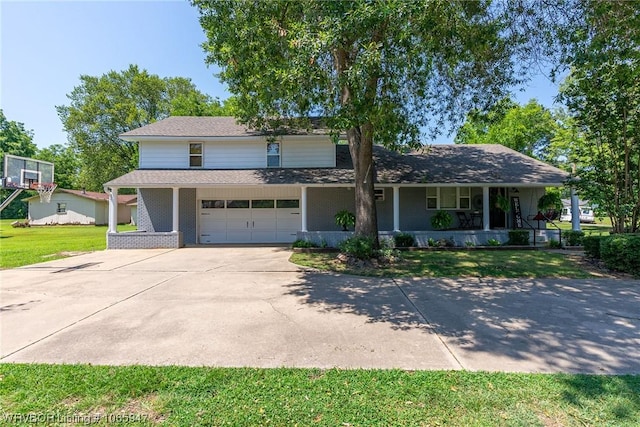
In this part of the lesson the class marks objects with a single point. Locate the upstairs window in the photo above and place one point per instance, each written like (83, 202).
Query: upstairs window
(273, 154)
(195, 155)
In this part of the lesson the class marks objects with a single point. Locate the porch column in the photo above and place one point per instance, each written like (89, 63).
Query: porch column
(113, 210)
(575, 210)
(396, 208)
(485, 209)
(176, 210)
(303, 208)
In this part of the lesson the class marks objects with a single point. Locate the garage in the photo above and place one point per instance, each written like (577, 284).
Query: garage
(263, 220)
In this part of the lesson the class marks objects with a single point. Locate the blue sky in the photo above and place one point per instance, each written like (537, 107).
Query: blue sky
(46, 45)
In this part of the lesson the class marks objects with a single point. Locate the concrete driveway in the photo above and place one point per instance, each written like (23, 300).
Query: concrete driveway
(248, 306)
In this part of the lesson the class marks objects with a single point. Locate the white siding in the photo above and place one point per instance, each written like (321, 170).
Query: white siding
(235, 155)
(79, 210)
(316, 153)
(164, 155)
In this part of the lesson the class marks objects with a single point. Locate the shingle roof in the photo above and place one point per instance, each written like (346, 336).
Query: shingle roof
(438, 164)
(92, 195)
(201, 127)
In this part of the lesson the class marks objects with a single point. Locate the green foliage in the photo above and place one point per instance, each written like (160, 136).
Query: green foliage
(554, 244)
(528, 129)
(518, 238)
(431, 242)
(503, 203)
(66, 164)
(345, 219)
(15, 139)
(360, 247)
(494, 242)
(550, 200)
(303, 243)
(573, 238)
(603, 98)
(101, 108)
(404, 240)
(592, 246)
(620, 252)
(441, 220)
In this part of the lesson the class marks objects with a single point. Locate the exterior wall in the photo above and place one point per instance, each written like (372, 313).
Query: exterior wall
(235, 155)
(324, 203)
(308, 153)
(142, 240)
(163, 155)
(155, 206)
(413, 209)
(124, 213)
(79, 210)
(528, 204)
(239, 154)
(188, 215)
(134, 215)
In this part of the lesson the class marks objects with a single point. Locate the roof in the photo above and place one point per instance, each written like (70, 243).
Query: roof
(437, 165)
(92, 195)
(206, 127)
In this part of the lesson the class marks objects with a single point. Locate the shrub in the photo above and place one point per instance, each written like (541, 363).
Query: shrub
(345, 219)
(620, 252)
(554, 244)
(431, 242)
(518, 237)
(441, 220)
(494, 242)
(359, 247)
(302, 243)
(404, 240)
(592, 246)
(573, 238)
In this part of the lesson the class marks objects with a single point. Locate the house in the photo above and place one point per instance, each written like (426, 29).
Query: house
(209, 180)
(587, 214)
(77, 207)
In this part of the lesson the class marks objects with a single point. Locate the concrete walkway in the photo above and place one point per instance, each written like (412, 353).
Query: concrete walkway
(248, 306)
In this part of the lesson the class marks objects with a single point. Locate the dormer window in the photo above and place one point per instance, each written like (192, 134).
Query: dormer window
(195, 155)
(273, 154)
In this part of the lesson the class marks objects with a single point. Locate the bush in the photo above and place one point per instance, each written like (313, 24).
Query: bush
(518, 237)
(620, 252)
(345, 219)
(554, 244)
(359, 247)
(441, 220)
(403, 240)
(573, 238)
(592, 246)
(494, 242)
(302, 243)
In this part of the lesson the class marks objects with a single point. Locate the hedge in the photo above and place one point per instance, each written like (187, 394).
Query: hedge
(621, 252)
(592, 246)
(573, 238)
(518, 237)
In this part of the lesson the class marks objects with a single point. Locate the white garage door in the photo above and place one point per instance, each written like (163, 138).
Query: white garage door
(249, 221)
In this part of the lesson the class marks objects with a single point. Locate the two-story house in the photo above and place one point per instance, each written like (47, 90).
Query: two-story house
(209, 180)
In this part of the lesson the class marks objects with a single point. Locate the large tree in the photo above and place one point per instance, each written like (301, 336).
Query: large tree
(380, 71)
(528, 128)
(65, 161)
(602, 93)
(103, 107)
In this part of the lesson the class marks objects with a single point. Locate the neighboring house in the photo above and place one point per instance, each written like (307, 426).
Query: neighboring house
(77, 207)
(586, 211)
(209, 180)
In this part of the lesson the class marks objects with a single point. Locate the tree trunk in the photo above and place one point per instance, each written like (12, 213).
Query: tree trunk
(361, 149)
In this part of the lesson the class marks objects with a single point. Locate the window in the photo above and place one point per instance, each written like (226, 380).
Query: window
(195, 155)
(273, 154)
(262, 204)
(379, 194)
(237, 204)
(448, 198)
(213, 204)
(288, 204)
(62, 208)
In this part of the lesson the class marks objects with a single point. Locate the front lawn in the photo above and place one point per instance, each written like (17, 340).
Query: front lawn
(477, 263)
(30, 245)
(183, 396)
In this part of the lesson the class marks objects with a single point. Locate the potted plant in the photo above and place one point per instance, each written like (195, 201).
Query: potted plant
(550, 204)
(345, 219)
(441, 220)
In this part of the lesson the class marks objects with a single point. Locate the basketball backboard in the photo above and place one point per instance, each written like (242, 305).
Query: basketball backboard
(24, 173)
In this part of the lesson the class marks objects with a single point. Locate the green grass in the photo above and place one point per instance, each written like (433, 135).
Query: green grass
(598, 228)
(24, 246)
(507, 263)
(182, 396)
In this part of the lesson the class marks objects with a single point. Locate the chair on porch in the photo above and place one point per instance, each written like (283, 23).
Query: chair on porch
(464, 220)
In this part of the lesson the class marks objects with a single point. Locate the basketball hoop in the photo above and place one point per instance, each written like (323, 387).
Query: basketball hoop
(45, 191)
